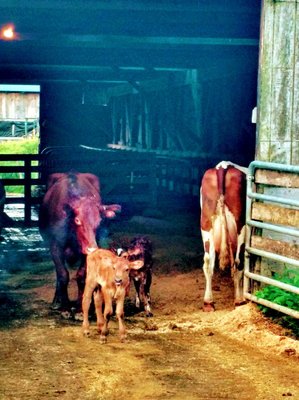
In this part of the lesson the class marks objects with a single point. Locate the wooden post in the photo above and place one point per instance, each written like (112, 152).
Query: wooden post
(278, 94)
(27, 192)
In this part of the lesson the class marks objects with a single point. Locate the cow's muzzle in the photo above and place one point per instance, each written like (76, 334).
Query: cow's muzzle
(118, 281)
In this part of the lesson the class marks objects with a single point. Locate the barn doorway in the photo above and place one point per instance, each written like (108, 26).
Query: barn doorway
(19, 135)
(19, 118)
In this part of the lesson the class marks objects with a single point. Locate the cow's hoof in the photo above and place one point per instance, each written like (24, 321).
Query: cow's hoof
(240, 303)
(66, 315)
(208, 307)
(103, 339)
(123, 339)
(149, 314)
(78, 316)
(58, 305)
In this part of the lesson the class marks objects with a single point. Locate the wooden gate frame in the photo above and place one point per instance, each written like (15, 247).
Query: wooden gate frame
(261, 213)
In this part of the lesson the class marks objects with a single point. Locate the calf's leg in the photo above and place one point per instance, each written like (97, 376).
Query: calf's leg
(145, 292)
(120, 316)
(86, 300)
(108, 310)
(98, 302)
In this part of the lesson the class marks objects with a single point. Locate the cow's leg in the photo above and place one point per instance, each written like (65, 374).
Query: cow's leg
(80, 277)
(238, 287)
(86, 300)
(238, 269)
(98, 302)
(120, 316)
(108, 310)
(61, 299)
(137, 296)
(146, 293)
(208, 269)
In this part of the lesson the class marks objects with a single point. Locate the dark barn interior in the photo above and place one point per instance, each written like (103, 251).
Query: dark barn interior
(172, 83)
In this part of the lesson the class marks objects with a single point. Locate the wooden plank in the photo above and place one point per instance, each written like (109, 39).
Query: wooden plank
(275, 246)
(265, 82)
(277, 178)
(275, 214)
(295, 121)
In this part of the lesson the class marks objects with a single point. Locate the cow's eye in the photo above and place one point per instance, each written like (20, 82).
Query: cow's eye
(77, 221)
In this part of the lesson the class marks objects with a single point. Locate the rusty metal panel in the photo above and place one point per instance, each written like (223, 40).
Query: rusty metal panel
(275, 214)
(277, 178)
(276, 246)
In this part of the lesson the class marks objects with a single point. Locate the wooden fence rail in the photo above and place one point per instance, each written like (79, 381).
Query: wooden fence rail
(125, 176)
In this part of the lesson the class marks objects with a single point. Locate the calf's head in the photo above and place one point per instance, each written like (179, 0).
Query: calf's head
(122, 266)
(111, 268)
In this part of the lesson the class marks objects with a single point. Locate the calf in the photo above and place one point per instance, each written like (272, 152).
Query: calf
(223, 202)
(140, 248)
(107, 279)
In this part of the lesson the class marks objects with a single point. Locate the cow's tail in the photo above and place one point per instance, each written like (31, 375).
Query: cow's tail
(225, 251)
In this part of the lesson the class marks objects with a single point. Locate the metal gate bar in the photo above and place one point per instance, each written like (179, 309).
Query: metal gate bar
(248, 275)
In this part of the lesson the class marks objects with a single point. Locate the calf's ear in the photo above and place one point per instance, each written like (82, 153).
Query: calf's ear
(137, 264)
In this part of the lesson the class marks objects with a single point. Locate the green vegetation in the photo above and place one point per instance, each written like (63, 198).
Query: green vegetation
(20, 146)
(283, 298)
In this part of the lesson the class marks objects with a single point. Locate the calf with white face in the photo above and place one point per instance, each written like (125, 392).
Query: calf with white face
(107, 280)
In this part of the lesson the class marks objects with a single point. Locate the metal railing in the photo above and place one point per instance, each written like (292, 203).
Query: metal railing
(253, 196)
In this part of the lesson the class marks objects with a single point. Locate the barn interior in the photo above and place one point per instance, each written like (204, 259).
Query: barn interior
(172, 79)
(146, 95)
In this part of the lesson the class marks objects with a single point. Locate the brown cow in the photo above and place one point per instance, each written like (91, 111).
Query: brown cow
(223, 203)
(69, 217)
(107, 279)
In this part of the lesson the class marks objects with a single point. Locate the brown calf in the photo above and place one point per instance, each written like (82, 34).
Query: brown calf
(107, 280)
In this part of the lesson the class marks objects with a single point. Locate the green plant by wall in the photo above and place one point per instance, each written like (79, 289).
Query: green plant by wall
(283, 298)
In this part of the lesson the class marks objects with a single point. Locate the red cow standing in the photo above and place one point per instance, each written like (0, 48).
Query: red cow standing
(70, 215)
(223, 202)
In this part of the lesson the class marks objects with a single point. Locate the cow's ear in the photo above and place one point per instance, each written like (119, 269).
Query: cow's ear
(109, 211)
(137, 264)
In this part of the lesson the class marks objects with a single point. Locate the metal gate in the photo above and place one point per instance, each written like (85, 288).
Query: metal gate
(272, 218)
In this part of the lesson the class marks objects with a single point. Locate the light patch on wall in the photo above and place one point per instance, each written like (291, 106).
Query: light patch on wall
(20, 88)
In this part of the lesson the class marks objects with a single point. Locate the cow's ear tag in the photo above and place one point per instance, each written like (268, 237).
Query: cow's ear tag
(77, 221)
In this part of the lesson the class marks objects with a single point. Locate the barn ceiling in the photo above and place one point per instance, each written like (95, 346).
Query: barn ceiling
(112, 42)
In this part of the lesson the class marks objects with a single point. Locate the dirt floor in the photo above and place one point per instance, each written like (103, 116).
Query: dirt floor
(180, 353)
